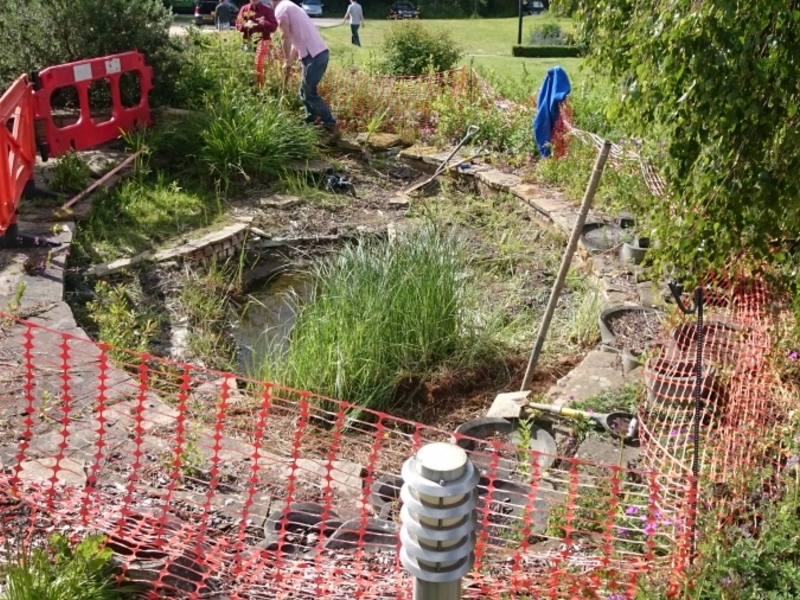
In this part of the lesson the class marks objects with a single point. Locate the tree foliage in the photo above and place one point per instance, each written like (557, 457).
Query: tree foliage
(40, 33)
(714, 85)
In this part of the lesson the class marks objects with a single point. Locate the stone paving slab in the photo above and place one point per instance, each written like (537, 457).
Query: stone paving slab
(598, 371)
(605, 450)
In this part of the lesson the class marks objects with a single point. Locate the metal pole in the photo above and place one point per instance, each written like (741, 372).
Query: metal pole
(577, 230)
(438, 533)
(519, 27)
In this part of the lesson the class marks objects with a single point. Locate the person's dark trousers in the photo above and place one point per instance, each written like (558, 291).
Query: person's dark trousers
(354, 36)
(313, 72)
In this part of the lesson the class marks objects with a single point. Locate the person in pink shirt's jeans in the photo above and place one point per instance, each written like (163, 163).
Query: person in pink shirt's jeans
(302, 40)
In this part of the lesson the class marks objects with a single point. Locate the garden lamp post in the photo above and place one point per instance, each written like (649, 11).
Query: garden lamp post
(519, 26)
(437, 538)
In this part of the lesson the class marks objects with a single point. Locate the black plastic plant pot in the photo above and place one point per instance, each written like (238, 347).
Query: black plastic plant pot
(600, 237)
(606, 319)
(626, 220)
(297, 520)
(631, 360)
(634, 253)
(371, 535)
(384, 492)
(499, 467)
(509, 502)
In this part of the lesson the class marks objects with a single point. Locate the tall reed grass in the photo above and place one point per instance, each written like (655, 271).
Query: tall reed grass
(381, 313)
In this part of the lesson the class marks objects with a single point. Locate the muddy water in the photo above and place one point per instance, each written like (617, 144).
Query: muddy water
(267, 320)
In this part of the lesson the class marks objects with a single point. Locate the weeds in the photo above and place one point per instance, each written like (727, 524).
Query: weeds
(143, 213)
(122, 321)
(86, 572)
(70, 173)
(380, 314)
(205, 299)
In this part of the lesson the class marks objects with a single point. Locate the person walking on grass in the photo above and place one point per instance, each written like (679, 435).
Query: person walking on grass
(356, 14)
(256, 18)
(301, 39)
(224, 13)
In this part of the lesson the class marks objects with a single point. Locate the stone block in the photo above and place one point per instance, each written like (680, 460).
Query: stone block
(597, 372)
(154, 412)
(66, 470)
(379, 141)
(508, 405)
(564, 219)
(603, 449)
(498, 180)
(533, 196)
(345, 477)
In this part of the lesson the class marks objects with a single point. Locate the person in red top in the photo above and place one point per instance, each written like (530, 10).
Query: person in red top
(256, 18)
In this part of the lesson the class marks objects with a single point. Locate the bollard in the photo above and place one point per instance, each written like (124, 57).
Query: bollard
(437, 538)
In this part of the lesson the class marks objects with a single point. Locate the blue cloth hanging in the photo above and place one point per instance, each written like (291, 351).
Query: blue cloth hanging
(554, 91)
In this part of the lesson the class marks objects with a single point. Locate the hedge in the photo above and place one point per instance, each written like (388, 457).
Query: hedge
(546, 51)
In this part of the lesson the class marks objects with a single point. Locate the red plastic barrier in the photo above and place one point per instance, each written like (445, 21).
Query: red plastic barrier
(86, 132)
(18, 153)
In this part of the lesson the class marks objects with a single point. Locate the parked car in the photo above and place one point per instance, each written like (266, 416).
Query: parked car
(204, 11)
(180, 7)
(534, 7)
(313, 8)
(403, 10)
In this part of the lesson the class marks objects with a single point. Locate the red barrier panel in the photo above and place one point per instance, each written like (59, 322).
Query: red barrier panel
(87, 132)
(18, 148)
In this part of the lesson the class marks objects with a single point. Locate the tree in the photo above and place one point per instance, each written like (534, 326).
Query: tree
(717, 84)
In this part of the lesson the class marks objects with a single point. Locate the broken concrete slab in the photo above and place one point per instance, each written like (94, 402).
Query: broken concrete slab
(598, 371)
(343, 476)
(508, 405)
(66, 471)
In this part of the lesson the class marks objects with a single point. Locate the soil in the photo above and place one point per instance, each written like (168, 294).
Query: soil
(635, 330)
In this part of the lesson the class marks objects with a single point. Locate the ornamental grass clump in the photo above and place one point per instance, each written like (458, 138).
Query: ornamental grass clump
(381, 313)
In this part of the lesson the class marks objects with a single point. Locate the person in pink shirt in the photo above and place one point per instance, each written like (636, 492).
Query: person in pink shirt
(302, 40)
(256, 17)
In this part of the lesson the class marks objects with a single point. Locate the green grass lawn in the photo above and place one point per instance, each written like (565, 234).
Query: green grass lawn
(486, 43)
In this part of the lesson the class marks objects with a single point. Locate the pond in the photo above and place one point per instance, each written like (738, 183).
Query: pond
(266, 321)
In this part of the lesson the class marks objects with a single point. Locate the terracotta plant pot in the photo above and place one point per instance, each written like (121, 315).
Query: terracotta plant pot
(721, 341)
(671, 385)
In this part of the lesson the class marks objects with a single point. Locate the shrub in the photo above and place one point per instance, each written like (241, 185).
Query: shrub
(380, 314)
(412, 49)
(546, 51)
(40, 33)
(547, 34)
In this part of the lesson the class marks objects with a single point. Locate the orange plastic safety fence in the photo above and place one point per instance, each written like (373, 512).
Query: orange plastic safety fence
(207, 483)
(742, 396)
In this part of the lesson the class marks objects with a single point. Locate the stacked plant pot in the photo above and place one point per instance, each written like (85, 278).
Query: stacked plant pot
(671, 380)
